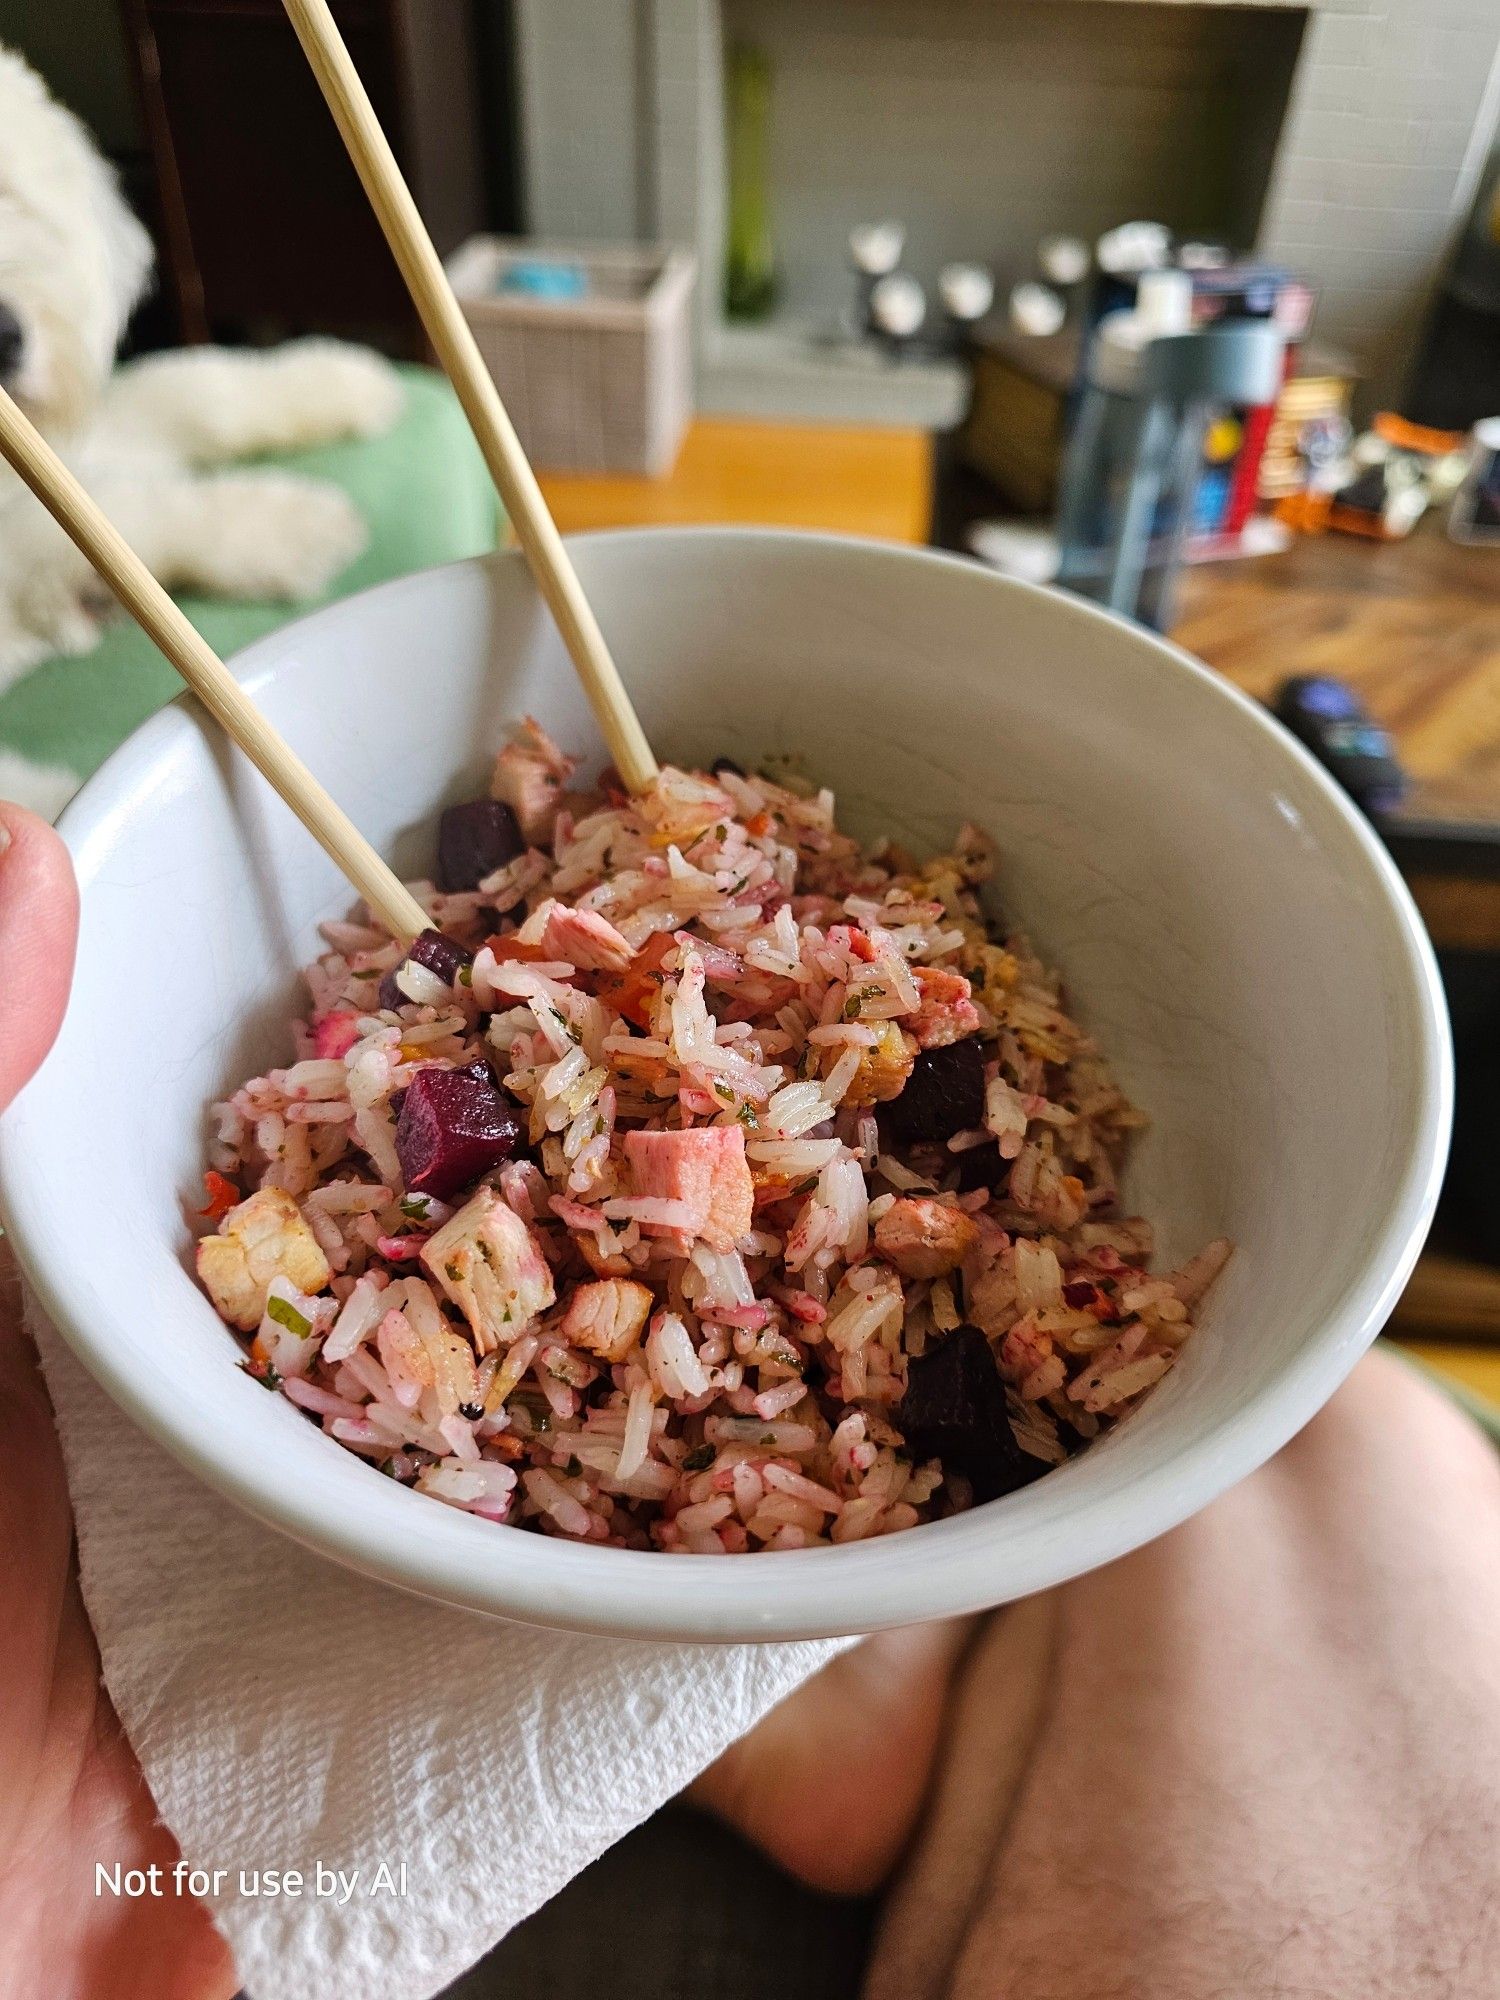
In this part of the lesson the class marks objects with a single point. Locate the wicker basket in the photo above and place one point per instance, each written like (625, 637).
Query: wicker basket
(603, 382)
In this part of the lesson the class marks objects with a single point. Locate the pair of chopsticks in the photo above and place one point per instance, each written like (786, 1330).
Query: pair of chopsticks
(447, 329)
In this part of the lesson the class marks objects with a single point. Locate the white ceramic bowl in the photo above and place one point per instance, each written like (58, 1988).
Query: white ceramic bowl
(1226, 922)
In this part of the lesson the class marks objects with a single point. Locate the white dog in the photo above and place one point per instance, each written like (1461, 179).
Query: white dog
(145, 439)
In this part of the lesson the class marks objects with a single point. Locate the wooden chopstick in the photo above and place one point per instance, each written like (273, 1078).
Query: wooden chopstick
(203, 670)
(454, 346)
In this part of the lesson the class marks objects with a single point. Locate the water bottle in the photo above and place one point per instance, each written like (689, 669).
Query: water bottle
(1118, 467)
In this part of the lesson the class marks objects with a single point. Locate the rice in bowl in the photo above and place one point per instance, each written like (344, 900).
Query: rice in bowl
(700, 1182)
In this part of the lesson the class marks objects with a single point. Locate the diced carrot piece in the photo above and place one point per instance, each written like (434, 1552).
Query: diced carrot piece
(633, 992)
(222, 1194)
(509, 949)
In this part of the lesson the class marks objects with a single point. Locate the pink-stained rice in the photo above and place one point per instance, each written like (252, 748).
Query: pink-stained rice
(715, 954)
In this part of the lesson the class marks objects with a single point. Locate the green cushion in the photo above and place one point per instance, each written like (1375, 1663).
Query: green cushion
(422, 488)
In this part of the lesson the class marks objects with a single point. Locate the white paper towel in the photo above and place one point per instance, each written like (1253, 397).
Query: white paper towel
(287, 1713)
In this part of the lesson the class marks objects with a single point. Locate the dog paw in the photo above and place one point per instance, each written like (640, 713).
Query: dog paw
(277, 536)
(53, 616)
(20, 650)
(347, 391)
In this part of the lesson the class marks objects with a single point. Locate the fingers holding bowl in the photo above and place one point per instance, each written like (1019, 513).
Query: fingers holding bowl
(38, 937)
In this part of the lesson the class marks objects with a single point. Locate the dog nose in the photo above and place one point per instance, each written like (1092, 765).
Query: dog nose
(12, 340)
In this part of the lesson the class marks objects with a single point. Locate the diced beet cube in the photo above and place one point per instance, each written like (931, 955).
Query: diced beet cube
(478, 1069)
(944, 1093)
(954, 1410)
(441, 955)
(475, 839)
(982, 1167)
(453, 1127)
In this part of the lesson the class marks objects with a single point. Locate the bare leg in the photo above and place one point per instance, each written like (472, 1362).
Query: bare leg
(991, 1727)
(832, 1781)
(1269, 1764)
(1258, 1759)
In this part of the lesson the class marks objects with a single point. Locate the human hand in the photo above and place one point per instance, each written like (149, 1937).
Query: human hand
(71, 1791)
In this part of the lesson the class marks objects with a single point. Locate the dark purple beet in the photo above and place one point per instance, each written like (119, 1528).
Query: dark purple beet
(440, 954)
(944, 1093)
(478, 1069)
(982, 1167)
(722, 764)
(453, 1127)
(954, 1410)
(443, 955)
(475, 839)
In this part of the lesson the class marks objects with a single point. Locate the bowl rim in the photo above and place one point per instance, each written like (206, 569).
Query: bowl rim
(827, 1591)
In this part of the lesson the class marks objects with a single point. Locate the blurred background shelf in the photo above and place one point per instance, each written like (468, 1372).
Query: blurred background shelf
(1451, 1298)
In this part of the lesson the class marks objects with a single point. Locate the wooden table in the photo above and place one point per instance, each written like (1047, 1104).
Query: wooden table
(1413, 626)
(731, 469)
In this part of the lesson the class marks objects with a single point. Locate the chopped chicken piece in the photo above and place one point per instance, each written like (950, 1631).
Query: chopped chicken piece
(731, 1203)
(492, 1268)
(404, 1357)
(947, 1013)
(530, 773)
(705, 1168)
(263, 1238)
(605, 1264)
(883, 1069)
(582, 937)
(607, 1317)
(457, 1378)
(925, 1238)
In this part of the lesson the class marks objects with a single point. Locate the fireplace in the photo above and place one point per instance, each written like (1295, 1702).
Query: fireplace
(1341, 136)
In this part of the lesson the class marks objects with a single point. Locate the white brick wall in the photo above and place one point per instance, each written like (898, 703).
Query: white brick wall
(1391, 112)
(985, 122)
(580, 118)
(986, 126)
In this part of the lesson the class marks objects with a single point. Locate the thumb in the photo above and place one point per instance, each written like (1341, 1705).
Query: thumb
(38, 937)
